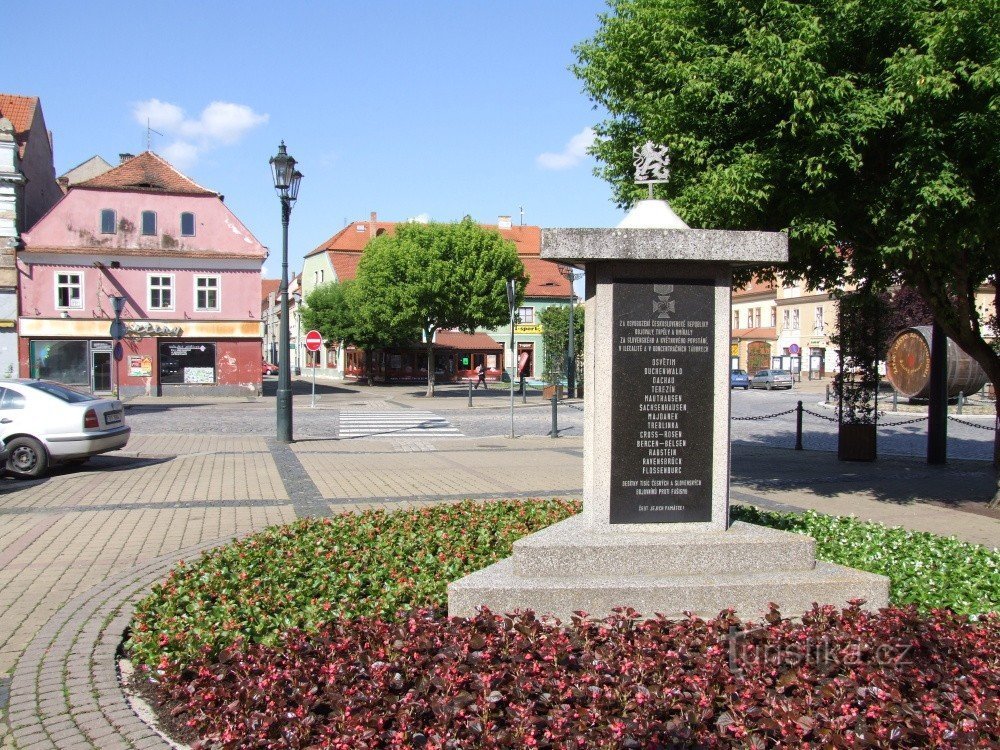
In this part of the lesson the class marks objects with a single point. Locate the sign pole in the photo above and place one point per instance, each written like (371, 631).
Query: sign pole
(511, 301)
(313, 404)
(314, 342)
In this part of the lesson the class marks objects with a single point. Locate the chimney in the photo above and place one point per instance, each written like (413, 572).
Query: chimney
(504, 222)
(122, 158)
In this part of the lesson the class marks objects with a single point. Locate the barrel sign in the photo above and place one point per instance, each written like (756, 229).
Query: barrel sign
(908, 366)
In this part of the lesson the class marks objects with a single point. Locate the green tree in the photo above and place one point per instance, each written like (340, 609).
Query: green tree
(429, 277)
(869, 130)
(333, 309)
(555, 339)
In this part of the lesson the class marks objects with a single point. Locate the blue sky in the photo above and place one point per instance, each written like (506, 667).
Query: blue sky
(405, 108)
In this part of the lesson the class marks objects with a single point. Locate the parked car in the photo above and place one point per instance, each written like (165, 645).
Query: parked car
(44, 423)
(769, 379)
(739, 379)
(267, 368)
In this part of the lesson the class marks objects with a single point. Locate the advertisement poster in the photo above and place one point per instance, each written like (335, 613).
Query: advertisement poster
(140, 365)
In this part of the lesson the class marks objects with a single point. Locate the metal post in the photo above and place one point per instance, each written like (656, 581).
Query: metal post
(513, 369)
(961, 401)
(313, 404)
(470, 393)
(571, 354)
(524, 392)
(895, 400)
(826, 400)
(284, 396)
(554, 432)
(798, 426)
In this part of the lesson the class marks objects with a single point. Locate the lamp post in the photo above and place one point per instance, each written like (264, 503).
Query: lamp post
(572, 274)
(286, 183)
(298, 333)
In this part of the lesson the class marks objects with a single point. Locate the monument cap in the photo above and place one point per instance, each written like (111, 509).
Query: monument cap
(652, 214)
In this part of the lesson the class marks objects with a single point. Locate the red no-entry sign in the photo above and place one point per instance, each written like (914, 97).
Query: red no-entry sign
(314, 341)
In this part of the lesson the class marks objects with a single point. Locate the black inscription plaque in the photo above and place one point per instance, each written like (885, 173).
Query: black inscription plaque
(662, 379)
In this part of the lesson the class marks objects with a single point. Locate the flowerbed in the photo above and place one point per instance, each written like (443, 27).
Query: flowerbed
(379, 564)
(850, 678)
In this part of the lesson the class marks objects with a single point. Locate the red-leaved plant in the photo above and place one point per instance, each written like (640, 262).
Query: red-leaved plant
(837, 678)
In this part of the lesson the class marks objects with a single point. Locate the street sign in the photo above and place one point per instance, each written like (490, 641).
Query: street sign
(793, 349)
(314, 341)
(117, 330)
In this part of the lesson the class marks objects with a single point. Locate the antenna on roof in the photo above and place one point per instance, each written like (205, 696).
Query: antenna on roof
(521, 209)
(149, 137)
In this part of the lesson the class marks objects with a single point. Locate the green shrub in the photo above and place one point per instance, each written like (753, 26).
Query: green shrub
(380, 563)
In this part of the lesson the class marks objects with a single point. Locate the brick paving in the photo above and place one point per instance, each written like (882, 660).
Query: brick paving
(78, 548)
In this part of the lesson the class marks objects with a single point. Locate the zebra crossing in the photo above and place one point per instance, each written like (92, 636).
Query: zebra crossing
(395, 424)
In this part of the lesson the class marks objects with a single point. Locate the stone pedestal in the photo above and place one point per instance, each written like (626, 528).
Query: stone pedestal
(654, 533)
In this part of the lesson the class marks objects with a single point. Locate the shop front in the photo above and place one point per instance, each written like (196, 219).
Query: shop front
(154, 358)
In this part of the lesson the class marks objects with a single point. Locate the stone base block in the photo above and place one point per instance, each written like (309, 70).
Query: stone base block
(570, 567)
(572, 547)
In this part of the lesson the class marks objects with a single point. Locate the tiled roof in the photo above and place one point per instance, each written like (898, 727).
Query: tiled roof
(544, 279)
(754, 287)
(755, 333)
(356, 235)
(145, 172)
(459, 340)
(267, 286)
(345, 265)
(20, 110)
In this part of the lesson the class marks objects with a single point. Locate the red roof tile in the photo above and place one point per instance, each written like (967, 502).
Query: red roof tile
(544, 279)
(345, 265)
(459, 340)
(267, 286)
(20, 110)
(754, 287)
(755, 333)
(145, 172)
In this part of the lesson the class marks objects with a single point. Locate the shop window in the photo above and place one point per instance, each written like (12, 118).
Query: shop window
(187, 224)
(66, 362)
(149, 223)
(108, 221)
(161, 292)
(206, 293)
(526, 315)
(69, 291)
(187, 363)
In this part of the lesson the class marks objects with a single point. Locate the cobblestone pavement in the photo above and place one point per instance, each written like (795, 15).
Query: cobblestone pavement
(78, 547)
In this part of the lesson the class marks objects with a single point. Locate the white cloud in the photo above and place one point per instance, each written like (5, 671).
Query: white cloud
(220, 123)
(574, 152)
(419, 219)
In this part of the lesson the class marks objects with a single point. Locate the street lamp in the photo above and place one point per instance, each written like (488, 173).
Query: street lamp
(286, 183)
(572, 274)
(297, 296)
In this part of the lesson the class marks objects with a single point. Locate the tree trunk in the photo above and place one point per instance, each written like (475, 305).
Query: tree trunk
(430, 363)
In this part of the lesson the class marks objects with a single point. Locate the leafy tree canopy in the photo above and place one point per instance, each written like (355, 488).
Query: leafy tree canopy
(429, 277)
(332, 308)
(869, 130)
(555, 339)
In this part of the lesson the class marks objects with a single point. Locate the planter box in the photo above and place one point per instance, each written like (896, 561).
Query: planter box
(856, 442)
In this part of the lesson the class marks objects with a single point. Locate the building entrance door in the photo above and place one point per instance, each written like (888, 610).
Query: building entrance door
(100, 367)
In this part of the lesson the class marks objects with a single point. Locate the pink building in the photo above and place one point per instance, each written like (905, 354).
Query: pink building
(187, 268)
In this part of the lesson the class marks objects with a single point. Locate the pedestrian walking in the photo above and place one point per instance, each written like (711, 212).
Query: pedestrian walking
(481, 372)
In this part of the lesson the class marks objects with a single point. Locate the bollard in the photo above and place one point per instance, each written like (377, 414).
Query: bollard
(470, 393)
(798, 426)
(827, 399)
(895, 399)
(961, 401)
(555, 419)
(524, 394)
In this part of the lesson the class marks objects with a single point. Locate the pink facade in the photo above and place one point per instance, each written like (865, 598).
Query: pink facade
(191, 287)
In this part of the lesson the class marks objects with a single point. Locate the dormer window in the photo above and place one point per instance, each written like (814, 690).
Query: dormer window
(149, 223)
(187, 224)
(108, 221)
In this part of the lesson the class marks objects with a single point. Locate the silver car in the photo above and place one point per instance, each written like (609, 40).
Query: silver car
(769, 379)
(42, 423)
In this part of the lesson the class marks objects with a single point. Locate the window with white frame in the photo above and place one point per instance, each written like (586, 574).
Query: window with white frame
(206, 293)
(108, 221)
(526, 315)
(161, 292)
(795, 319)
(819, 324)
(69, 291)
(786, 322)
(774, 318)
(756, 317)
(736, 319)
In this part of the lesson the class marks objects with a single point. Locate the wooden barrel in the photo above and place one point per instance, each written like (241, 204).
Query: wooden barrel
(908, 366)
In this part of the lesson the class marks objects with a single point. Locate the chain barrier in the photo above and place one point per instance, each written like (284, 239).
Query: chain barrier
(973, 424)
(905, 421)
(764, 416)
(821, 416)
